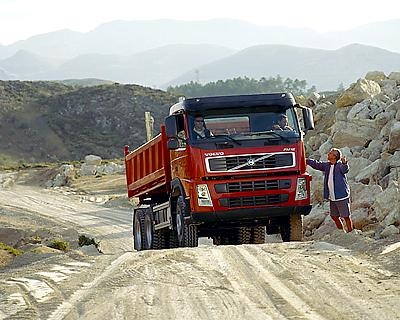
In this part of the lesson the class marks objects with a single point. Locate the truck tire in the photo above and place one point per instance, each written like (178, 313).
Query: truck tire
(187, 234)
(148, 230)
(258, 235)
(291, 228)
(160, 239)
(138, 229)
(172, 239)
(244, 235)
(296, 227)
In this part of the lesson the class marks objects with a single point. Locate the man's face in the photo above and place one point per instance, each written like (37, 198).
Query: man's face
(283, 122)
(199, 123)
(332, 156)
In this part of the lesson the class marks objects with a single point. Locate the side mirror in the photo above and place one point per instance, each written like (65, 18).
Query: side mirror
(308, 118)
(171, 126)
(172, 144)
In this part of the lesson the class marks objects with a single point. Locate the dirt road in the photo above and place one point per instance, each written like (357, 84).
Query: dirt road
(343, 277)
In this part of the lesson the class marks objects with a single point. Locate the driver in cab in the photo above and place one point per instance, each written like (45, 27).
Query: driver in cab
(281, 123)
(200, 131)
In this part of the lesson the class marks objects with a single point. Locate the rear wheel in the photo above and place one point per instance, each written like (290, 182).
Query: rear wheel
(138, 230)
(148, 230)
(160, 239)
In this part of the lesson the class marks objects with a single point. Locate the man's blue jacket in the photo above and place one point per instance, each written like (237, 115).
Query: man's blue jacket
(340, 183)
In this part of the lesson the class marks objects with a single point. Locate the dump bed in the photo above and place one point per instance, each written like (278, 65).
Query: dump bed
(148, 167)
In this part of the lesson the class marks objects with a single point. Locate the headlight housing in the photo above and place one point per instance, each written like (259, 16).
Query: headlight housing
(301, 189)
(203, 196)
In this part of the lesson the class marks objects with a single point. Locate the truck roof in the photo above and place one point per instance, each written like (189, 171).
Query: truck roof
(284, 100)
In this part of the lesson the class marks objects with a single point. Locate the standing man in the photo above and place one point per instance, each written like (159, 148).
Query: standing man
(336, 187)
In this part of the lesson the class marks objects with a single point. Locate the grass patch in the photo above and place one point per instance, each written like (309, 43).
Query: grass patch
(10, 249)
(59, 244)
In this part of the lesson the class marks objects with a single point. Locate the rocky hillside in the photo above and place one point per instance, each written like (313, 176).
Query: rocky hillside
(48, 121)
(364, 122)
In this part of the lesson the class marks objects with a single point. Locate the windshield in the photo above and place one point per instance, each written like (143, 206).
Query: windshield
(242, 124)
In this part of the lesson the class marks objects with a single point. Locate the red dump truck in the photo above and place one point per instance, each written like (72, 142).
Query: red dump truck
(244, 179)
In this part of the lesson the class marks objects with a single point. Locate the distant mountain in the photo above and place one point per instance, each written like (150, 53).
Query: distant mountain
(129, 37)
(26, 65)
(60, 44)
(151, 67)
(4, 75)
(325, 69)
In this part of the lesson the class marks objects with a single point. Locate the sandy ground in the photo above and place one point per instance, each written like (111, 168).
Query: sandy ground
(343, 276)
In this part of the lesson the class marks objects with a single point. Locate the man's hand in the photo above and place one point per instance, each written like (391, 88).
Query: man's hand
(344, 160)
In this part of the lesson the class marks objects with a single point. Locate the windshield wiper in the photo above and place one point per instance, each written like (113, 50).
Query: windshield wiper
(270, 132)
(227, 137)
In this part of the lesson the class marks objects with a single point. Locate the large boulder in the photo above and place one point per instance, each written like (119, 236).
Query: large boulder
(93, 160)
(376, 76)
(363, 196)
(357, 92)
(356, 165)
(387, 202)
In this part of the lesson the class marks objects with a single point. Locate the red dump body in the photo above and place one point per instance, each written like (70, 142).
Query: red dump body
(147, 168)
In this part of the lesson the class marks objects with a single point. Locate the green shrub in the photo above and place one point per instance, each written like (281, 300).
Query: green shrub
(59, 244)
(10, 249)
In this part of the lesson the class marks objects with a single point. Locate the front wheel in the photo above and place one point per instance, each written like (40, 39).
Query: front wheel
(296, 227)
(187, 234)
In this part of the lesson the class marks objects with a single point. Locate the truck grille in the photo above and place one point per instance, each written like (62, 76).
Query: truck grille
(252, 186)
(253, 201)
(251, 162)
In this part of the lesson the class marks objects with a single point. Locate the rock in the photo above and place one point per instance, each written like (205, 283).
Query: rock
(316, 217)
(317, 186)
(92, 160)
(392, 218)
(88, 169)
(388, 201)
(394, 138)
(356, 165)
(394, 161)
(324, 148)
(376, 76)
(373, 173)
(357, 92)
(313, 98)
(360, 218)
(389, 230)
(373, 151)
(363, 196)
(395, 76)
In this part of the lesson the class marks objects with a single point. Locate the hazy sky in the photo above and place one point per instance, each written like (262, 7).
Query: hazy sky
(20, 19)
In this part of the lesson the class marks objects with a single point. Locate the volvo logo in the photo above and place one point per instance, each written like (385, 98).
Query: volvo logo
(251, 162)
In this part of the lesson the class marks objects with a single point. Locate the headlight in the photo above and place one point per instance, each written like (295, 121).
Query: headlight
(203, 196)
(301, 189)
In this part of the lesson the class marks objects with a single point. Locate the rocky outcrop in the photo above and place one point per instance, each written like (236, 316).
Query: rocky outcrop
(366, 127)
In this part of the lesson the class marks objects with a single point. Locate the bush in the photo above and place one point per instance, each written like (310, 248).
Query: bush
(9, 249)
(59, 245)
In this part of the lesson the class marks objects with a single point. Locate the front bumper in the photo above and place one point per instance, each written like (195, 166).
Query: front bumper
(248, 215)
